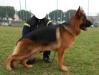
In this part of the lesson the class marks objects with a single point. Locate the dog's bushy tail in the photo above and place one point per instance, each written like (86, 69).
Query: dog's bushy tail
(9, 62)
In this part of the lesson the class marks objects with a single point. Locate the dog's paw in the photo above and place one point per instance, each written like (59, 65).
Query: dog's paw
(29, 66)
(8, 68)
(64, 68)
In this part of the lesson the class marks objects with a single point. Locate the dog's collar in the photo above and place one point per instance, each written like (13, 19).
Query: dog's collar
(69, 30)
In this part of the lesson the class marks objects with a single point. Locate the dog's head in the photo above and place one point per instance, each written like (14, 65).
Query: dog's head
(84, 22)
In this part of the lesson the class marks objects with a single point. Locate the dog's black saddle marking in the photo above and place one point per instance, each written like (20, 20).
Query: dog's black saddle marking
(44, 35)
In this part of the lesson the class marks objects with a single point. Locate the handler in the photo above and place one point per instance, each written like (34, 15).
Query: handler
(32, 24)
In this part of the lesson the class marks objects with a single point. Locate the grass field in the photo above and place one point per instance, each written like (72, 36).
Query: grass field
(81, 59)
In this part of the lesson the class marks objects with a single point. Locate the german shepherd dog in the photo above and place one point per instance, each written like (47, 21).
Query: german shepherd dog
(57, 38)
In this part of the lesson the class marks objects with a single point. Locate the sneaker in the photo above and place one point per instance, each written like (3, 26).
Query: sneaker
(47, 60)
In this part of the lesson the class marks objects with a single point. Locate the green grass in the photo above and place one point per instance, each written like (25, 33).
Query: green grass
(81, 59)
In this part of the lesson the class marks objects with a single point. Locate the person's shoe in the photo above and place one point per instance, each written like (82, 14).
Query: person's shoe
(47, 60)
(31, 61)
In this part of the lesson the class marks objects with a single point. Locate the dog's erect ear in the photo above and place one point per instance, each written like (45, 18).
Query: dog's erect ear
(78, 13)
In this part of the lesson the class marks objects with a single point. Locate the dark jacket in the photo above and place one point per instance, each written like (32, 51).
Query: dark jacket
(34, 23)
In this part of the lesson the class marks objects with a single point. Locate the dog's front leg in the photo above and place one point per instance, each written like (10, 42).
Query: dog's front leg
(60, 59)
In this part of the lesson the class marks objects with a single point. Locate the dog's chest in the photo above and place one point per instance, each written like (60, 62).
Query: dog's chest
(67, 39)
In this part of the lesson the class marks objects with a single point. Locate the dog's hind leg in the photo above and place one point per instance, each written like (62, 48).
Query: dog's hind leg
(21, 53)
(60, 59)
(18, 57)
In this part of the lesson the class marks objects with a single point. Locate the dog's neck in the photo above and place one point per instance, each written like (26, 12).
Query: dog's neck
(75, 27)
(72, 30)
(68, 30)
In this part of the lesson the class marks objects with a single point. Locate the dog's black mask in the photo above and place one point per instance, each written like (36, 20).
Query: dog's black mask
(86, 23)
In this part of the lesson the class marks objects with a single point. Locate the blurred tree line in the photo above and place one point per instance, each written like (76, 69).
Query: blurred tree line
(24, 14)
(59, 15)
(7, 12)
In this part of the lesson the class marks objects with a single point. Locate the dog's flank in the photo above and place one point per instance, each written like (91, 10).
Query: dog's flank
(49, 38)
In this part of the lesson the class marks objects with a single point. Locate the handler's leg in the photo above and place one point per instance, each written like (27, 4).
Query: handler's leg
(46, 56)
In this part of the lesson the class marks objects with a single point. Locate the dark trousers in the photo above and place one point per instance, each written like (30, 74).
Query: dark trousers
(46, 54)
